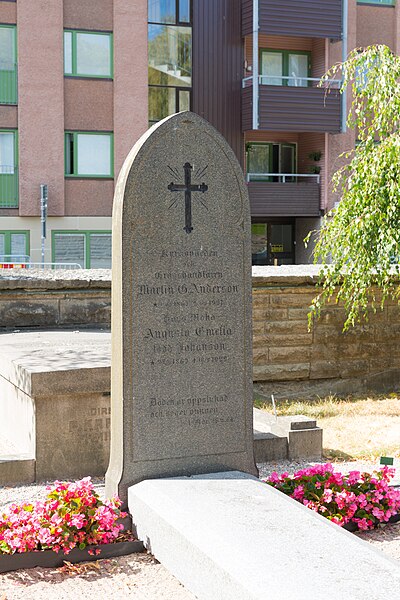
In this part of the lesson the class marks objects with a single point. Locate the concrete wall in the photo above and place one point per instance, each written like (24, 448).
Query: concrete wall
(288, 360)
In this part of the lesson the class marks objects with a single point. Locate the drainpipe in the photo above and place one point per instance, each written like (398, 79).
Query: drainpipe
(345, 13)
(255, 64)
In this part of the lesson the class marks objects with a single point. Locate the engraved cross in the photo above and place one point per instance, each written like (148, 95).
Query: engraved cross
(188, 188)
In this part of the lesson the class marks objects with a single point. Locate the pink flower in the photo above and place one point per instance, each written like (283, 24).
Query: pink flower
(298, 493)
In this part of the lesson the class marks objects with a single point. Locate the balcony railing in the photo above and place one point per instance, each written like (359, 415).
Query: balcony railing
(296, 104)
(283, 177)
(284, 194)
(8, 83)
(8, 186)
(293, 81)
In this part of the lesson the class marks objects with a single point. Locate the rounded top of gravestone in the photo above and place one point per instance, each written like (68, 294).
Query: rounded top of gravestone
(182, 170)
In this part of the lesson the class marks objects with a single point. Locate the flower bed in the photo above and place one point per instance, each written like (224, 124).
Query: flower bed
(72, 519)
(354, 501)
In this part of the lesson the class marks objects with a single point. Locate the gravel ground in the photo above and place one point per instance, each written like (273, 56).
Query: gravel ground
(138, 576)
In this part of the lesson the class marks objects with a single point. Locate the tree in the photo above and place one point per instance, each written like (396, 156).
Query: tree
(359, 242)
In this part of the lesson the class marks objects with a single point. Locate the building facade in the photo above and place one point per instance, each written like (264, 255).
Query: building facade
(81, 81)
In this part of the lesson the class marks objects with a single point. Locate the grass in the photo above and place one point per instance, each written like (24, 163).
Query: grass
(354, 428)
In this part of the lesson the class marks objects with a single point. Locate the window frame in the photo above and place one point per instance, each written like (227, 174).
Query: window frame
(285, 64)
(391, 3)
(177, 17)
(294, 145)
(15, 166)
(14, 100)
(74, 55)
(7, 243)
(75, 174)
(86, 233)
(178, 89)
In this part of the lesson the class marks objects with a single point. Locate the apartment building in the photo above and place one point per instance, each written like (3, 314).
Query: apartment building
(81, 81)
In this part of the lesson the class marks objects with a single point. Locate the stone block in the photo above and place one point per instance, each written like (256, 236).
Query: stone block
(305, 444)
(72, 436)
(260, 356)
(288, 354)
(281, 372)
(230, 536)
(292, 299)
(260, 299)
(29, 312)
(96, 311)
(269, 447)
(325, 369)
(288, 339)
(298, 314)
(17, 471)
(353, 368)
(269, 314)
(55, 400)
(286, 327)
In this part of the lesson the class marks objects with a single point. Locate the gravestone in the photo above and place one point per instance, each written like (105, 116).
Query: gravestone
(181, 373)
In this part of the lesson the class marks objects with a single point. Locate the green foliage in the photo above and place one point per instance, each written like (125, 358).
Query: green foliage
(359, 243)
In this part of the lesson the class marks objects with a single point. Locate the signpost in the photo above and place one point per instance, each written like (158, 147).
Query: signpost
(43, 214)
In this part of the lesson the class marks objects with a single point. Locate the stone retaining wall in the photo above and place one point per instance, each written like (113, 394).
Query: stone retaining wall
(288, 360)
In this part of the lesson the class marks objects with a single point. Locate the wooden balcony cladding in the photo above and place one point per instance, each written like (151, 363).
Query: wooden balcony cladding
(300, 109)
(307, 18)
(247, 17)
(284, 199)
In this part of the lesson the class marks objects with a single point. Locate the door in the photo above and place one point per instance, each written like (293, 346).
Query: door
(272, 243)
(280, 243)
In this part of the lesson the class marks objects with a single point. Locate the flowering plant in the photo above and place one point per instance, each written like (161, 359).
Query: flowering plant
(365, 499)
(72, 515)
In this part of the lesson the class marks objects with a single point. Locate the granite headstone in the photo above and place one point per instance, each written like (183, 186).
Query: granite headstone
(181, 374)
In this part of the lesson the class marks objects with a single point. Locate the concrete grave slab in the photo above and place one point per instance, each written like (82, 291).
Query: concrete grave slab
(231, 537)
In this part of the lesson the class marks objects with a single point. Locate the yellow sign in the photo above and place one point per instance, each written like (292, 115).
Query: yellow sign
(277, 248)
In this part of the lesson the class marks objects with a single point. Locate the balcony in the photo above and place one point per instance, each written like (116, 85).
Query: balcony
(8, 83)
(284, 195)
(305, 18)
(8, 187)
(299, 106)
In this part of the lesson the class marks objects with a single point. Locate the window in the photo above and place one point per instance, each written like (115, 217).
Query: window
(8, 65)
(170, 57)
(169, 11)
(88, 54)
(8, 169)
(385, 2)
(89, 249)
(266, 160)
(88, 154)
(14, 246)
(283, 67)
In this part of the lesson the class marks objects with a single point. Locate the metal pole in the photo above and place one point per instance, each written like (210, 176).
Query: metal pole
(345, 30)
(255, 64)
(43, 215)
